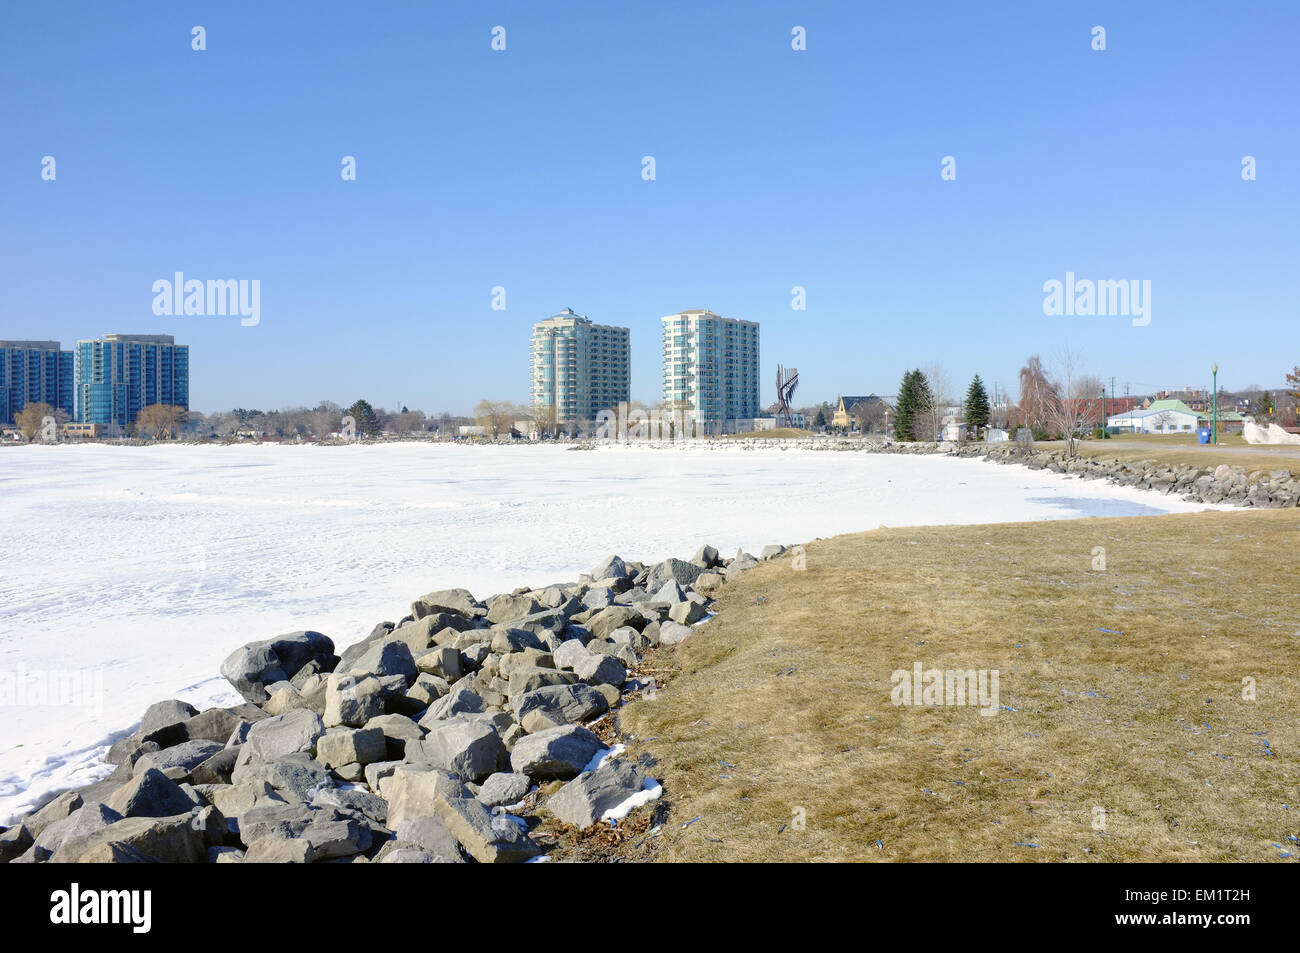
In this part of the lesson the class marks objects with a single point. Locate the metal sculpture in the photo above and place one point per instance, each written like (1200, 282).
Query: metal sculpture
(786, 383)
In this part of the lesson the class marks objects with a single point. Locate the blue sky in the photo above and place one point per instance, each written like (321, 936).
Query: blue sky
(775, 168)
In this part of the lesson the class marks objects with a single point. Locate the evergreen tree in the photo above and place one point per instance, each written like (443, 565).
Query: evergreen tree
(821, 419)
(977, 404)
(914, 397)
(366, 418)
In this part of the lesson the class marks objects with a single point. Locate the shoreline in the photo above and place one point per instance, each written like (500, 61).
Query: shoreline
(207, 681)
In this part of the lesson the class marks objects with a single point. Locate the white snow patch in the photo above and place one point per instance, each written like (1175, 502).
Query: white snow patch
(651, 790)
(603, 755)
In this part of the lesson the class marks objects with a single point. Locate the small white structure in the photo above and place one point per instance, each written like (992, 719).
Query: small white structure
(954, 432)
(1156, 420)
(470, 430)
(994, 435)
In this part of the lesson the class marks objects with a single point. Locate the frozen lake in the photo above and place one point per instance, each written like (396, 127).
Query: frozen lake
(137, 570)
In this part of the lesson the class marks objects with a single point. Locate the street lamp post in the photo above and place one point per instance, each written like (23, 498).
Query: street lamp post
(1214, 432)
(1105, 431)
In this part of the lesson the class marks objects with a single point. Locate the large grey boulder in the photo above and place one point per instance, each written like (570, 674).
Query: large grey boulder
(678, 570)
(179, 839)
(706, 557)
(357, 649)
(507, 608)
(397, 731)
(611, 567)
(489, 839)
(258, 664)
(430, 835)
(149, 794)
(670, 592)
(568, 652)
(186, 756)
(443, 661)
(553, 754)
(615, 617)
(584, 800)
(273, 738)
(742, 562)
(75, 832)
(672, 633)
(297, 777)
(471, 750)
(217, 768)
(598, 597)
(461, 700)
(391, 657)
(528, 678)
(166, 720)
(351, 746)
(458, 601)
(558, 705)
(544, 620)
(340, 837)
(215, 724)
(601, 670)
(352, 701)
(14, 842)
(687, 613)
(354, 802)
(236, 800)
(504, 788)
(414, 790)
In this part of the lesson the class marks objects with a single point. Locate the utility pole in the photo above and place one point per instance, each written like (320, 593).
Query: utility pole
(1214, 431)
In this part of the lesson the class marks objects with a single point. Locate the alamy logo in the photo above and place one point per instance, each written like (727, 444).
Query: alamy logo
(936, 688)
(211, 298)
(73, 906)
(1106, 297)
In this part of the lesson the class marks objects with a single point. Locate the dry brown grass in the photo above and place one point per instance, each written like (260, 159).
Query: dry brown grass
(782, 701)
(1183, 448)
(778, 433)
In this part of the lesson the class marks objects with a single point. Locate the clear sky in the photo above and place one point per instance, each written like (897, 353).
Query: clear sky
(774, 168)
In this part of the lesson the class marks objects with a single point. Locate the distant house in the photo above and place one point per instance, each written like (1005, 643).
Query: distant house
(1091, 409)
(876, 411)
(1162, 417)
(82, 431)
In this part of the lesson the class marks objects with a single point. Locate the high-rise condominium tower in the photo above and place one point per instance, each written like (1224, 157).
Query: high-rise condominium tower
(119, 375)
(578, 368)
(710, 368)
(34, 372)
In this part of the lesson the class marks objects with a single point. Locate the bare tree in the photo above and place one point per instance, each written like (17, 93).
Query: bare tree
(1035, 391)
(31, 418)
(497, 416)
(940, 396)
(1064, 403)
(161, 420)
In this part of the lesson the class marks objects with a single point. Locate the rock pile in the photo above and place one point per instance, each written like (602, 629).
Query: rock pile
(442, 738)
(1220, 484)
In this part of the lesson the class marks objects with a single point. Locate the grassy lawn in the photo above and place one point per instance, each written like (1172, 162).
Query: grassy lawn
(782, 702)
(1183, 448)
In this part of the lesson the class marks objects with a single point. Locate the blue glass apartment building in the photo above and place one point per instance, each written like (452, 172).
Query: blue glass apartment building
(120, 375)
(34, 372)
